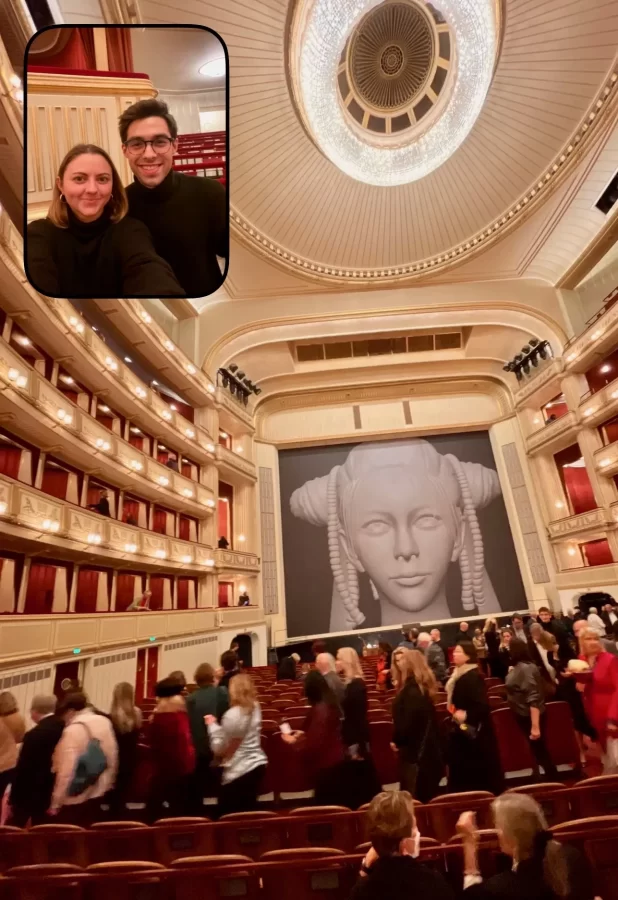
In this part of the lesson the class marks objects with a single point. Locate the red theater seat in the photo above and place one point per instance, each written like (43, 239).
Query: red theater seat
(444, 811)
(595, 797)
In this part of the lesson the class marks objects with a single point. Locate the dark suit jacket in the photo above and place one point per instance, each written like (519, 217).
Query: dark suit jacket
(34, 781)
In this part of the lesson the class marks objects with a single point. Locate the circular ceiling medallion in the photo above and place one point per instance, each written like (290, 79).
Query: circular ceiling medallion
(357, 65)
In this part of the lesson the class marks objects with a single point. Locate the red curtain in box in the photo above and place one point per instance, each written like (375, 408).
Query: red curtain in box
(127, 589)
(156, 586)
(579, 489)
(10, 458)
(119, 49)
(40, 590)
(153, 671)
(186, 470)
(87, 584)
(162, 456)
(184, 529)
(224, 519)
(183, 593)
(72, 49)
(130, 508)
(55, 482)
(136, 441)
(224, 593)
(598, 553)
(159, 521)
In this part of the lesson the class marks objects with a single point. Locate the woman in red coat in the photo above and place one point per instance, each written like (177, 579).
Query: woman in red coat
(173, 753)
(601, 690)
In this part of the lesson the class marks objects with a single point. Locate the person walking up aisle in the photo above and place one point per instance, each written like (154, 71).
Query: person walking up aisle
(361, 776)
(12, 730)
(127, 721)
(237, 744)
(208, 700)
(172, 752)
(33, 781)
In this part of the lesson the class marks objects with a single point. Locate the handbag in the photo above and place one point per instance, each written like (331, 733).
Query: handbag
(90, 765)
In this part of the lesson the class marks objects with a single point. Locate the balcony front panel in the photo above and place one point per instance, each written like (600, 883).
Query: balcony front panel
(587, 577)
(597, 340)
(240, 617)
(572, 527)
(232, 414)
(599, 407)
(542, 385)
(234, 561)
(235, 464)
(606, 460)
(554, 436)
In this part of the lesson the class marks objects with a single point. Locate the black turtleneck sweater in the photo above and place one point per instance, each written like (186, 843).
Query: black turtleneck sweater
(187, 217)
(96, 259)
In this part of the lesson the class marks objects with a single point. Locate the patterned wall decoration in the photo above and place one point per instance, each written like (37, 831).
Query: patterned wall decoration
(525, 515)
(269, 544)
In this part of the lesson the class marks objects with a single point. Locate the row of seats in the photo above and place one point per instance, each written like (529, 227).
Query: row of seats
(254, 834)
(303, 874)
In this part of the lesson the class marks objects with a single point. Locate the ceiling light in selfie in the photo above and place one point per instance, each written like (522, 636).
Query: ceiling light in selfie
(214, 69)
(328, 27)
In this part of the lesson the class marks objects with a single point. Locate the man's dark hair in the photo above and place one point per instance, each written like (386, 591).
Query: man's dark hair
(143, 109)
(75, 702)
(519, 651)
(317, 689)
(229, 661)
(521, 618)
(545, 609)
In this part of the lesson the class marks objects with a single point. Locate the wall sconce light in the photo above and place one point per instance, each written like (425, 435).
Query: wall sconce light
(3, 507)
(103, 445)
(559, 504)
(140, 391)
(76, 325)
(186, 559)
(130, 548)
(163, 481)
(50, 525)
(211, 504)
(605, 462)
(111, 363)
(147, 319)
(595, 335)
(65, 417)
(190, 433)
(94, 538)
(210, 448)
(241, 538)
(211, 388)
(588, 412)
(169, 346)
(136, 465)
(187, 492)
(571, 551)
(160, 554)
(17, 377)
(191, 369)
(209, 562)
(166, 414)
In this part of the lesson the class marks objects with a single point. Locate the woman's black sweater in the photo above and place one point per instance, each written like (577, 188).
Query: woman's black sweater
(96, 260)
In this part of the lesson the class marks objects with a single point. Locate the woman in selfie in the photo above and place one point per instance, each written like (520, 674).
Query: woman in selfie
(87, 246)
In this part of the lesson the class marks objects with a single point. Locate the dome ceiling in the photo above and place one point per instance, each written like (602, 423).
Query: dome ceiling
(553, 90)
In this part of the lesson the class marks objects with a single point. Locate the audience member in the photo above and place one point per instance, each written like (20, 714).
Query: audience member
(525, 696)
(480, 645)
(433, 655)
(596, 622)
(554, 626)
(391, 868)
(287, 668)
(33, 780)
(178, 678)
(396, 658)
(542, 645)
(208, 700)
(492, 639)
(320, 741)
(542, 868)
(504, 656)
(383, 667)
(416, 736)
(230, 667)
(85, 761)
(172, 752)
(127, 722)
(436, 636)
(472, 749)
(410, 637)
(518, 629)
(12, 730)
(140, 603)
(326, 666)
(600, 692)
(102, 505)
(223, 543)
(361, 779)
(609, 645)
(609, 617)
(244, 599)
(464, 633)
(237, 745)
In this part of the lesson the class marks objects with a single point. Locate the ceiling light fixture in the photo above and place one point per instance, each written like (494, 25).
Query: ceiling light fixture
(214, 69)
(326, 30)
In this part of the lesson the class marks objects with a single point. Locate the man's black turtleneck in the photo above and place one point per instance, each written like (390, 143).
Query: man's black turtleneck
(96, 259)
(187, 217)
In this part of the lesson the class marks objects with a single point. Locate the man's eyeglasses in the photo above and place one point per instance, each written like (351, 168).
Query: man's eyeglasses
(160, 144)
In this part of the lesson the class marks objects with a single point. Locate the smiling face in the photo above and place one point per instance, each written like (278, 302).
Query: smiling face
(150, 166)
(403, 534)
(87, 185)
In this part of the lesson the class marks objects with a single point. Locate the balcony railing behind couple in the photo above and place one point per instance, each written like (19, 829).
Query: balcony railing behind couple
(202, 154)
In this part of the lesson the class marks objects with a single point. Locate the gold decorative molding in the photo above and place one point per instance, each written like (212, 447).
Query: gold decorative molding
(587, 577)
(50, 83)
(548, 437)
(233, 560)
(600, 111)
(225, 401)
(236, 463)
(574, 526)
(599, 337)
(541, 379)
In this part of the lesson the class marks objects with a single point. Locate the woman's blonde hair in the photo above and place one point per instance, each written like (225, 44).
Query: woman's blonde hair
(588, 634)
(520, 818)
(242, 692)
(351, 663)
(396, 678)
(491, 624)
(8, 704)
(124, 714)
(118, 203)
(414, 665)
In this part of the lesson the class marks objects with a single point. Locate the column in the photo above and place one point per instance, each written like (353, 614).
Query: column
(23, 587)
(112, 599)
(73, 591)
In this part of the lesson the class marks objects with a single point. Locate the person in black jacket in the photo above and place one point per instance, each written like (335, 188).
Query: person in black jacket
(391, 869)
(127, 721)
(473, 750)
(187, 216)
(416, 736)
(492, 639)
(33, 781)
(361, 778)
(87, 246)
(542, 868)
(286, 671)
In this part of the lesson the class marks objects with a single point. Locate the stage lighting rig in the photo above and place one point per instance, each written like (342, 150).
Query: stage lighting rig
(236, 381)
(531, 355)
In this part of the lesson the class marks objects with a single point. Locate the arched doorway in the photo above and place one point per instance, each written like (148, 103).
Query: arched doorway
(245, 650)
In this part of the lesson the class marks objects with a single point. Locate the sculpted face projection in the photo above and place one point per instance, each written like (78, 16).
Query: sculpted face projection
(401, 513)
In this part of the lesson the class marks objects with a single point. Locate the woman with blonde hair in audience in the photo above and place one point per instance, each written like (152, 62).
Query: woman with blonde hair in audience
(361, 778)
(391, 868)
(416, 737)
(12, 731)
(504, 653)
(542, 868)
(127, 722)
(600, 693)
(491, 634)
(396, 658)
(237, 744)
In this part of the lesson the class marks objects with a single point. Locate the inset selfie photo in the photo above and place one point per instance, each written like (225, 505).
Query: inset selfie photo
(126, 162)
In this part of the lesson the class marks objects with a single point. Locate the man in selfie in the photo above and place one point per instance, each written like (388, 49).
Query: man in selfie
(186, 215)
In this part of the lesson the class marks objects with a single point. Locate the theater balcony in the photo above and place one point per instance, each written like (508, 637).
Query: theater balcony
(597, 407)
(234, 467)
(580, 525)
(228, 561)
(554, 435)
(599, 338)
(11, 132)
(541, 385)
(606, 460)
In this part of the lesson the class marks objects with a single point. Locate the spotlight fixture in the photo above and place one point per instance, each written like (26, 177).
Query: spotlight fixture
(529, 357)
(240, 375)
(233, 368)
(236, 381)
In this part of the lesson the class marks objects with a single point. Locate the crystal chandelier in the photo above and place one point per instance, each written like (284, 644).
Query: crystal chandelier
(327, 26)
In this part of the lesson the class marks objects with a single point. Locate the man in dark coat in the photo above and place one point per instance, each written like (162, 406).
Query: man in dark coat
(33, 782)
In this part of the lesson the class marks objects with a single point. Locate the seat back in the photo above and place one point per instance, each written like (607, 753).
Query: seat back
(560, 735)
(118, 843)
(177, 839)
(251, 834)
(299, 853)
(324, 829)
(595, 797)
(59, 842)
(289, 774)
(552, 797)
(513, 748)
(327, 878)
(386, 761)
(444, 811)
(215, 881)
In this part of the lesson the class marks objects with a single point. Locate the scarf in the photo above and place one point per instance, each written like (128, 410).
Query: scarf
(459, 671)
